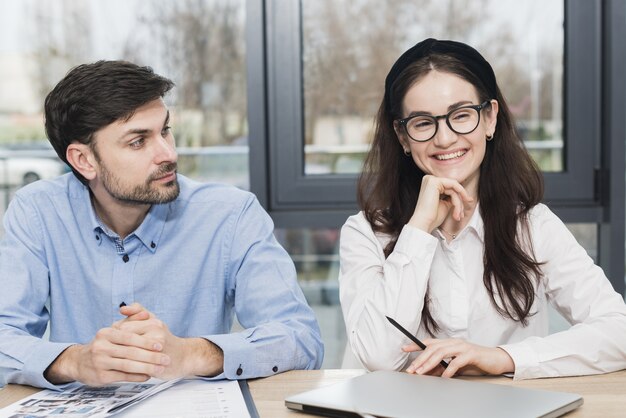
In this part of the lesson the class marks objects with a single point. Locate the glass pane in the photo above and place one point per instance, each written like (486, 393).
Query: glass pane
(349, 46)
(315, 252)
(587, 235)
(199, 44)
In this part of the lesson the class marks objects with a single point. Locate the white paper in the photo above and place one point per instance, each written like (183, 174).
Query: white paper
(193, 399)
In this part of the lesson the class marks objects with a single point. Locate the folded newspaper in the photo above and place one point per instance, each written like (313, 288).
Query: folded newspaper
(85, 401)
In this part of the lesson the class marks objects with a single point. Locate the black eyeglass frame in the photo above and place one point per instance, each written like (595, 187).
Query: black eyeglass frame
(478, 108)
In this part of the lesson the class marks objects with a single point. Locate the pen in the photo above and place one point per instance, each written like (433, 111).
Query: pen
(412, 338)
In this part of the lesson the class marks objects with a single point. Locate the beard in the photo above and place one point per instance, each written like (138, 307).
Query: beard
(141, 194)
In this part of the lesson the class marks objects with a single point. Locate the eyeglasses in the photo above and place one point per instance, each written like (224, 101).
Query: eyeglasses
(462, 120)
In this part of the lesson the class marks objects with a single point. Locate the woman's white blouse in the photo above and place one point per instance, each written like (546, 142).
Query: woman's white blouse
(372, 287)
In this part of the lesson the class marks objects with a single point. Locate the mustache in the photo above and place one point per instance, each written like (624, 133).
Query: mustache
(163, 170)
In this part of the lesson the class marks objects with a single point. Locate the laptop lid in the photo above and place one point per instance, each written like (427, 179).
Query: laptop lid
(397, 395)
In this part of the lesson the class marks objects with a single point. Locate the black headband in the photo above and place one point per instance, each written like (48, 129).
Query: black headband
(464, 53)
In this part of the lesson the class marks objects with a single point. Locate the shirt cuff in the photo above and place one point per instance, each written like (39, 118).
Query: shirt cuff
(38, 361)
(240, 357)
(415, 243)
(525, 360)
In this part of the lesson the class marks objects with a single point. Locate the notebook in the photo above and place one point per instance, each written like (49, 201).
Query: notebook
(397, 395)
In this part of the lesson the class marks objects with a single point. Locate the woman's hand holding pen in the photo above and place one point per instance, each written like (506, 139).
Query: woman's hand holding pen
(438, 196)
(464, 358)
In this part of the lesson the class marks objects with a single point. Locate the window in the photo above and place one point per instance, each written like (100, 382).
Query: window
(326, 64)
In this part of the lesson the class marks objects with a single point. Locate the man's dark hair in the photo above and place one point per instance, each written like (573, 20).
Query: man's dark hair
(92, 96)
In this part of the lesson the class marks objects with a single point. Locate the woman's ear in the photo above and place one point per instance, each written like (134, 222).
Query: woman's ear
(492, 117)
(404, 143)
(82, 159)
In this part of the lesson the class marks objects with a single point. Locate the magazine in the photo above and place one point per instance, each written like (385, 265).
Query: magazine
(85, 401)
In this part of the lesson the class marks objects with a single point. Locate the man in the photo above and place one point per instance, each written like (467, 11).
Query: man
(125, 227)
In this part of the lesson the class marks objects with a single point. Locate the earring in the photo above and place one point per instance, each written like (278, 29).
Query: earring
(407, 152)
(489, 137)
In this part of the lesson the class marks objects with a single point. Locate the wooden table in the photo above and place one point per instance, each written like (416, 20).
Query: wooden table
(604, 395)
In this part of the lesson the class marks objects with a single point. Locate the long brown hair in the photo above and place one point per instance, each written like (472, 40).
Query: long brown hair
(510, 184)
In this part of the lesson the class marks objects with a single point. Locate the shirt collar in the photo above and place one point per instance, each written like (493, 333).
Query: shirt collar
(476, 223)
(149, 232)
(151, 229)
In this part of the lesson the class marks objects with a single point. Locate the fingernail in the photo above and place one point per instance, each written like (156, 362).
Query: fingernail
(165, 360)
(157, 347)
(420, 370)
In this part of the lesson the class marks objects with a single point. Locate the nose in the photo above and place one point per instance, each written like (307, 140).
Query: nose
(444, 136)
(165, 150)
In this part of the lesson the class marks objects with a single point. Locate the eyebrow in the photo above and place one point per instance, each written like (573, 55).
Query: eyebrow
(451, 107)
(145, 131)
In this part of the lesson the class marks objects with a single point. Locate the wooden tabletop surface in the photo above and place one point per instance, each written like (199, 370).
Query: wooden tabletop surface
(604, 395)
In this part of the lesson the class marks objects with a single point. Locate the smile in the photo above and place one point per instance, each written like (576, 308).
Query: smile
(443, 157)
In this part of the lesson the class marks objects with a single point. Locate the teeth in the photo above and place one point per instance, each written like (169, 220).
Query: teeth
(450, 156)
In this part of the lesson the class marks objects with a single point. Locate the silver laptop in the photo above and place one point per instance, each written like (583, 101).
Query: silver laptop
(397, 395)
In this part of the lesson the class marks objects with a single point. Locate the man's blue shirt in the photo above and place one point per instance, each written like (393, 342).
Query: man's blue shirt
(194, 263)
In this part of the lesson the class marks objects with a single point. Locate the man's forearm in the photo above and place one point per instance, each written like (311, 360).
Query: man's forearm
(60, 370)
(203, 358)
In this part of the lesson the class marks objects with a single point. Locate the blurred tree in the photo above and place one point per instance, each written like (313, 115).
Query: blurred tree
(202, 46)
(349, 46)
(61, 37)
(348, 49)
(197, 43)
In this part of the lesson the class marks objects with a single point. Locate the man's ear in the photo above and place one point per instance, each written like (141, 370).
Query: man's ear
(81, 158)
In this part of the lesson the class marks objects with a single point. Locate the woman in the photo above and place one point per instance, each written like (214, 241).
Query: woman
(454, 244)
